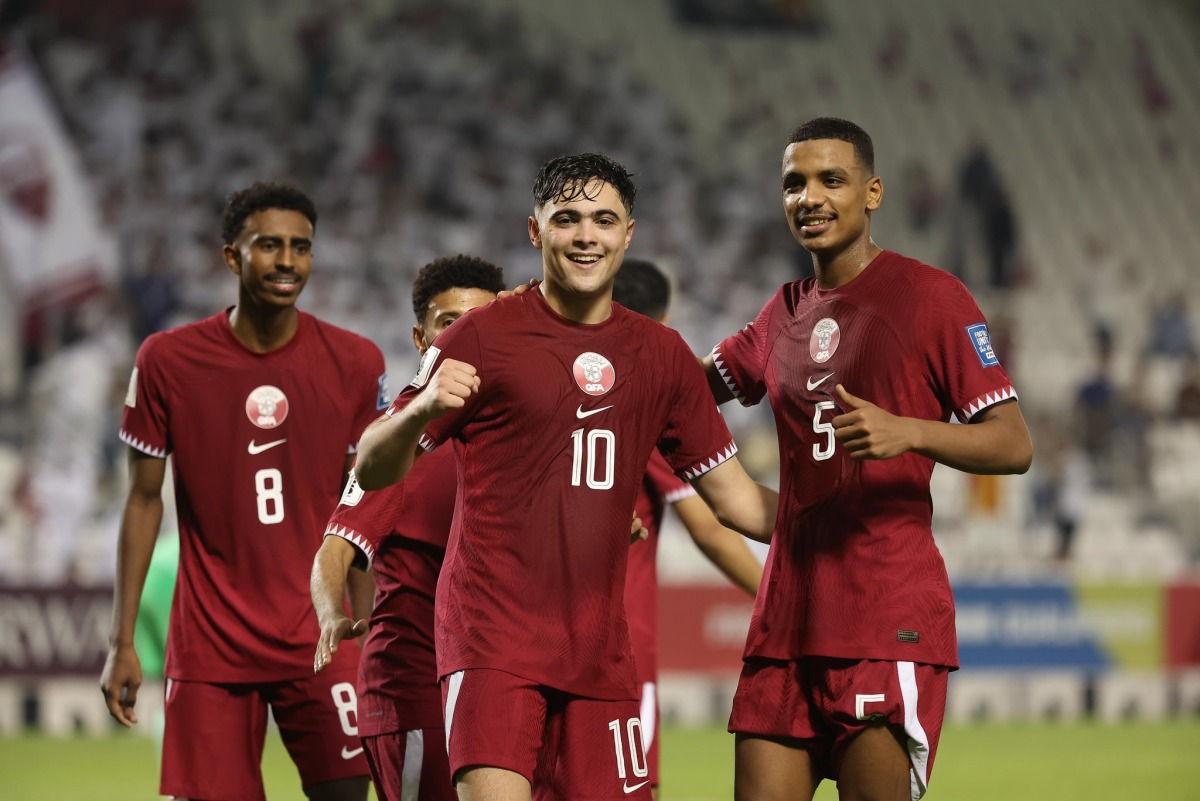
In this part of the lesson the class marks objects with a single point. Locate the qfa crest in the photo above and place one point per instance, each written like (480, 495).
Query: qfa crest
(267, 406)
(824, 340)
(594, 374)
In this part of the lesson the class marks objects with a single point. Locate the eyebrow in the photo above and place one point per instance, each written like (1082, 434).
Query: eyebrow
(576, 213)
(276, 239)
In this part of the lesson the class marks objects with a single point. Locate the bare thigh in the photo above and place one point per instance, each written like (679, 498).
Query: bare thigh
(491, 784)
(875, 767)
(773, 769)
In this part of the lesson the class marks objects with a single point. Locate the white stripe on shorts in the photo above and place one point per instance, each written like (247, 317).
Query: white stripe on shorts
(455, 686)
(414, 759)
(648, 713)
(918, 742)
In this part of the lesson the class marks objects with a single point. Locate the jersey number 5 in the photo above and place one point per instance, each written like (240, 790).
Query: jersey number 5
(268, 486)
(595, 460)
(821, 452)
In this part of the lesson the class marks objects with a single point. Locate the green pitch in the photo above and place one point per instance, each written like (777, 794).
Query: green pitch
(986, 763)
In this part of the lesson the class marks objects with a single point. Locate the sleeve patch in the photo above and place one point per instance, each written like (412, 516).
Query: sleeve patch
(353, 492)
(982, 342)
(427, 359)
(383, 398)
(131, 393)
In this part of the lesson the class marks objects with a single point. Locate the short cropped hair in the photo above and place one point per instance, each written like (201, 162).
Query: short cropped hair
(260, 196)
(643, 288)
(450, 272)
(567, 177)
(842, 130)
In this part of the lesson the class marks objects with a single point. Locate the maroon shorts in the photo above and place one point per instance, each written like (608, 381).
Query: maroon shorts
(213, 742)
(826, 702)
(648, 711)
(564, 745)
(410, 765)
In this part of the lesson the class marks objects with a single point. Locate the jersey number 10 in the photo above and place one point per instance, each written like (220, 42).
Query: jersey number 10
(592, 461)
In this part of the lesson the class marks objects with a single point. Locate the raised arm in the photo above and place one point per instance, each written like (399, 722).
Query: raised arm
(717, 384)
(724, 548)
(327, 586)
(140, 522)
(390, 445)
(996, 441)
(738, 502)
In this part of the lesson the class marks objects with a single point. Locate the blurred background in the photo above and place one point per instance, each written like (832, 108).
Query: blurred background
(1046, 153)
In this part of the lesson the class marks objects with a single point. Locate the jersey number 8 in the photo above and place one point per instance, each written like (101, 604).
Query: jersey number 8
(268, 485)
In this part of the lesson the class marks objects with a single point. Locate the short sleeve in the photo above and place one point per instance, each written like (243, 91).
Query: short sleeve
(365, 518)
(665, 483)
(374, 392)
(695, 439)
(742, 358)
(144, 422)
(966, 373)
(459, 342)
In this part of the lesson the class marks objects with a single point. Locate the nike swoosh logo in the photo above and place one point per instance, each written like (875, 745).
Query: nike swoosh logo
(814, 384)
(580, 413)
(266, 446)
(349, 754)
(629, 789)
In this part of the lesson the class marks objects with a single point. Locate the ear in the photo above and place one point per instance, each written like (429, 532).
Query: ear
(419, 339)
(535, 232)
(233, 259)
(629, 232)
(874, 193)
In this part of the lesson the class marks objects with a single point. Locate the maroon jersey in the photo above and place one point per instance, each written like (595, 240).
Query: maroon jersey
(853, 569)
(550, 453)
(401, 533)
(259, 442)
(660, 488)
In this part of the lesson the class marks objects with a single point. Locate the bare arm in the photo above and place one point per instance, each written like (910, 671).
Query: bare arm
(327, 585)
(996, 441)
(717, 384)
(142, 517)
(724, 548)
(361, 583)
(390, 445)
(738, 502)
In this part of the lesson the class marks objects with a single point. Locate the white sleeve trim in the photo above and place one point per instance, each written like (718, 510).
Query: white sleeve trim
(703, 467)
(427, 443)
(984, 401)
(353, 537)
(144, 447)
(679, 494)
(730, 384)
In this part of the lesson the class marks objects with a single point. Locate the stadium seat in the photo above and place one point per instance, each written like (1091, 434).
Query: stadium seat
(979, 696)
(1133, 695)
(1056, 695)
(69, 706)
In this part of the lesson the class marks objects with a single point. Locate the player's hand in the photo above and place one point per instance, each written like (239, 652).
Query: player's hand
(868, 432)
(332, 633)
(520, 290)
(451, 386)
(120, 681)
(637, 531)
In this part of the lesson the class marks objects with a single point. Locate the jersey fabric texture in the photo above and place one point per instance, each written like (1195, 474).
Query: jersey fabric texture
(550, 453)
(401, 532)
(660, 488)
(259, 442)
(853, 570)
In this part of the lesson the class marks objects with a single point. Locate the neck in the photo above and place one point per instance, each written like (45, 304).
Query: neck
(263, 330)
(838, 269)
(587, 309)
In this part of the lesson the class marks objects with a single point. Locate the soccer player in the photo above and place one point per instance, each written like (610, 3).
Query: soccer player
(261, 406)
(864, 367)
(554, 400)
(643, 288)
(400, 533)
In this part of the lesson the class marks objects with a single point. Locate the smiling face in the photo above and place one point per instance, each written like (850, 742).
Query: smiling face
(828, 195)
(583, 242)
(272, 258)
(446, 307)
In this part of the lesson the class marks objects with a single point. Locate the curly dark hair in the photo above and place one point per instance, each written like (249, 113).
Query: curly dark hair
(842, 130)
(448, 272)
(643, 288)
(567, 177)
(259, 196)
